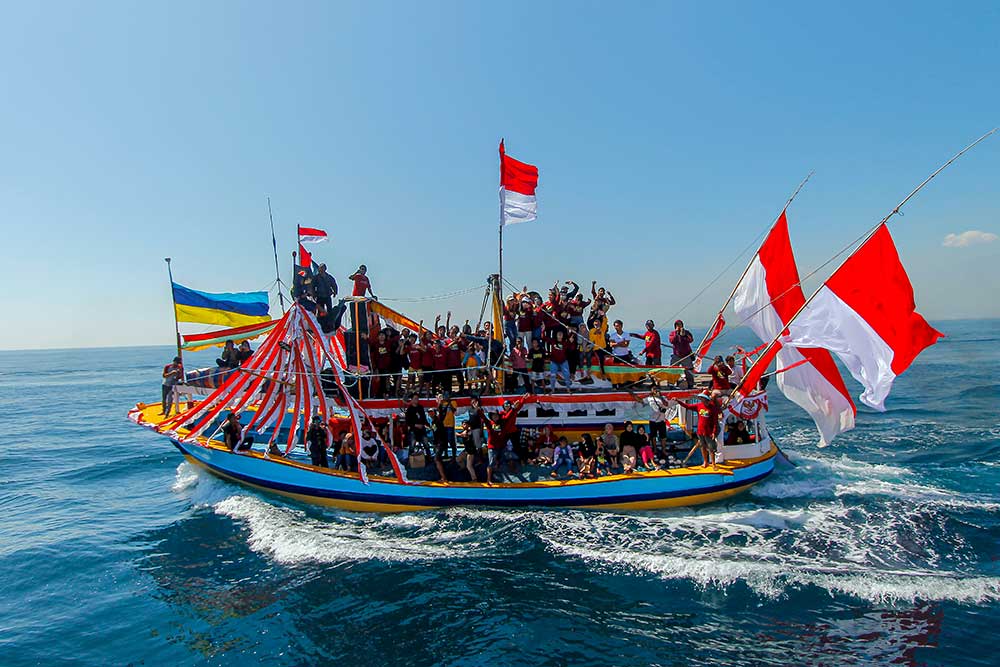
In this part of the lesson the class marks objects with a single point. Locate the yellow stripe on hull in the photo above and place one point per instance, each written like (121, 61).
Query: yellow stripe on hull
(316, 500)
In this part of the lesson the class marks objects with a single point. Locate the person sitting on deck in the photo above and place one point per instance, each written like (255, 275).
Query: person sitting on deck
(680, 343)
(562, 455)
(737, 434)
(232, 434)
(603, 466)
(362, 284)
(324, 287)
(173, 375)
(628, 460)
(588, 456)
(720, 373)
(318, 438)
(709, 411)
(347, 452)
(651, 344)
(245, 352)
(230, 356)
(612, 447)
(368, 448)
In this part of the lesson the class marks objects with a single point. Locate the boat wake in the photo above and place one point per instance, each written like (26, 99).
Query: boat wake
(848, 528)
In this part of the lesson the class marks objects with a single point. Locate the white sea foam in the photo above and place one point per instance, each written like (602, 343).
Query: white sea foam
(773, 552)
(290, 536)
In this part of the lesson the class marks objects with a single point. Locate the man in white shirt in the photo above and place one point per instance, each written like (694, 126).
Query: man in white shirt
(658, 409)
(619, 339)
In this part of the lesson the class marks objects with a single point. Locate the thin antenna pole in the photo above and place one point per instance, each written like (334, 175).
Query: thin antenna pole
(860, 241)
(177, 327)
(277, 270)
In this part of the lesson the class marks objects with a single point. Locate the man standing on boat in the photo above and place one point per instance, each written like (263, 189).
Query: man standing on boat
(651, 344)
(680, 341)
(325, 287)
(362, 284)
(502, 427)
(709, 414)
(173, 374)
(319, 437)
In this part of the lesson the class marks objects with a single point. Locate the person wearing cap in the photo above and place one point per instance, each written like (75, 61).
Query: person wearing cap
(651, 340)
(680, 343)
(362, 284)
(173, 375)
(318, 438)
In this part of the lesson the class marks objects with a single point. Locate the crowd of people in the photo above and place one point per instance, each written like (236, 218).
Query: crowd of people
(480, 445)
(545, 345)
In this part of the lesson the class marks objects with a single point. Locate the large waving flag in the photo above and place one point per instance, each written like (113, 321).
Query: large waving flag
(865, 314)
(766, 299)
(229, 309)
(518, 181)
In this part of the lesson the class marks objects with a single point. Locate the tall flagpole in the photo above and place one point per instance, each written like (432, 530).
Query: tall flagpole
(503, 195)
(277, 271)
(177, 328)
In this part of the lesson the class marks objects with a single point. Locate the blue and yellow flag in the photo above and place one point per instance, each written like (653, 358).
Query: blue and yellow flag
(230, 309)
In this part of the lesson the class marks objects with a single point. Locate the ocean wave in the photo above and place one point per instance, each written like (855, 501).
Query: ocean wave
(776, 552)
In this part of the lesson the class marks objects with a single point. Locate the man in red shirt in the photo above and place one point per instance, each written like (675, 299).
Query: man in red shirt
(651, 338)
(361, 282)
(502, 428)
(720, 373)
(709, 413)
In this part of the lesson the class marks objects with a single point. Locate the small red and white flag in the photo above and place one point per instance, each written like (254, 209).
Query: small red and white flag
(311, 235)
(518, 181)
(865, 314)
(768, 297)
(706, 344)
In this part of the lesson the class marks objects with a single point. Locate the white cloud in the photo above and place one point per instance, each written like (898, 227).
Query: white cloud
(971, 237)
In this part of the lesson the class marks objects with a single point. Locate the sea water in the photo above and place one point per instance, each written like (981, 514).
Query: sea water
(881, 549)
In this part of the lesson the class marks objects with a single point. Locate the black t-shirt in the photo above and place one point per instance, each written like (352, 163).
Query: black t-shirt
(231, 434)
(588, 450)
(415, 415)
(476, 419)
(316, 437)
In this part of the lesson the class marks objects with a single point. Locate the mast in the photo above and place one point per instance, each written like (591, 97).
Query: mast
(277, 271)
(503, 194)
(177, 328)
(860, 241)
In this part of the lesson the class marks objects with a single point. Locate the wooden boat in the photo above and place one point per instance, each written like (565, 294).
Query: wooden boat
(347, 490)
(278, 389)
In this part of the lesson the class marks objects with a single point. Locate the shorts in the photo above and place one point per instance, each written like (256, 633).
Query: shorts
(496, 457)
(707, 441)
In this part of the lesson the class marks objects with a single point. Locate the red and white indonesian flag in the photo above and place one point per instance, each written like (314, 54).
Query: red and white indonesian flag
(865, 314)
(518, 181)
(766, 299)
(311, 235)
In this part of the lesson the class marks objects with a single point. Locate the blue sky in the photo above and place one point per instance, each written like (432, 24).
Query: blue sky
(668, 136)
